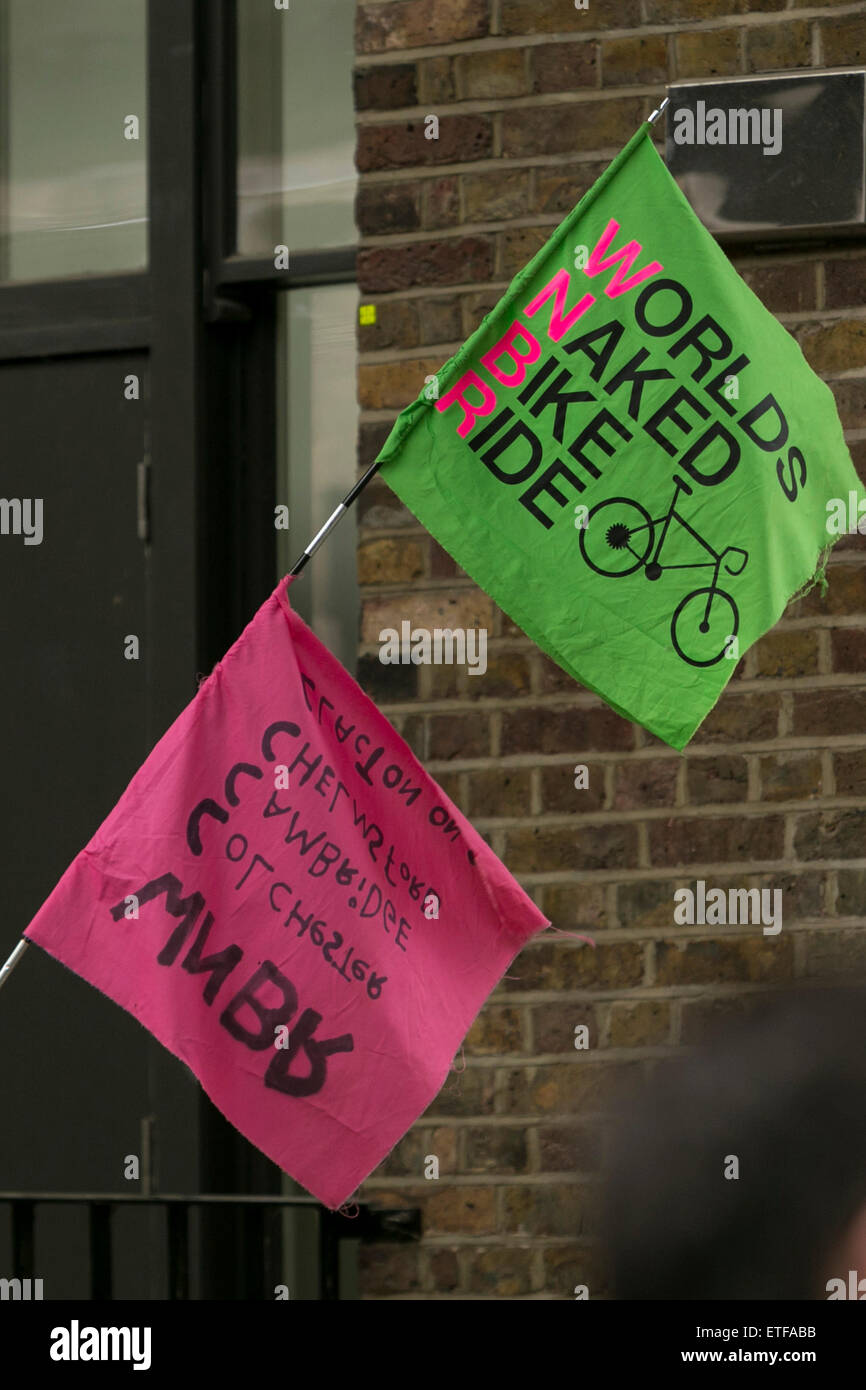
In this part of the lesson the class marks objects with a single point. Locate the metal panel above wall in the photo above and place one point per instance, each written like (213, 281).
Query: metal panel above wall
(772, 157)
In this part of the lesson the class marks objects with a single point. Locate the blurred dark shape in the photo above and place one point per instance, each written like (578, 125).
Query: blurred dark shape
(784, 1090)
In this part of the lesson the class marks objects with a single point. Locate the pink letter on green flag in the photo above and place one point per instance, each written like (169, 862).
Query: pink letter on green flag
(630, 454)
(294, 908)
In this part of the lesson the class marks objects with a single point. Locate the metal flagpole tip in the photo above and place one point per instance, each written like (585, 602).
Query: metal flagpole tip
(655, 115)
(13, 960)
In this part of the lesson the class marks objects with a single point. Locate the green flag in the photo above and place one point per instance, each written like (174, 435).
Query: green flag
(630, 454)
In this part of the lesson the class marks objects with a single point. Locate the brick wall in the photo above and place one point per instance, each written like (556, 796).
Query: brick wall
(534, 98)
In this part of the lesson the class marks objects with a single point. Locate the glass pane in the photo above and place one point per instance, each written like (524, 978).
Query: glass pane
(318, 440)
(73, 177)
(296, 126)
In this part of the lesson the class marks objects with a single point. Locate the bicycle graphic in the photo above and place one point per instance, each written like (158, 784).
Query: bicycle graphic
(619, 544)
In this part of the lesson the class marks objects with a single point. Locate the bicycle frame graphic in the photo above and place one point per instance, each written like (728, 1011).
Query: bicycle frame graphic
(618, 539)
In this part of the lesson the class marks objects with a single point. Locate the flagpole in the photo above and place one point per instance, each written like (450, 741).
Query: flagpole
(335, 517)
(655, 115)
(13, 960)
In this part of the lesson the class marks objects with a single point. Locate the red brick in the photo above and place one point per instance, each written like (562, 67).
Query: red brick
(445, 608)
(845, 593)
(707, 52)
(519, 245)
(577, 966)
(386, 88)
(440, 683)
(844, 41)
(834, 347)
(831, 835)
(753, 959)
(786, 288)
(669, 11)
(469, 1210)
(503, 1271)
(371, 439)
(440, 202)
(450, 261)
(495, 1149)
(739, 719)
(783, 45)
(564, 67)
(444, 1270)
(436, 82)
(845, 282)
(645, 1023)
(570, 1147)
(716, 840)
(634, 61)
(499, 791)
(387, 684)
(836, 955)
(382, 28)
(495, 73)
(559, 793)
(384, 385)
(713, 781)
(442, 566)
(560, 16)
(645, 783)
(388, 207)
(539, 729)
(396, 326)
(787, 654)
(853, 540)
(555, 1210)
(413, 728)
(646, 905)
(585, 847)
(850, 772)
(461, 138)
(560, 187)
(841, 711)
(476, 303)
(790, 776)
(575, 907)
(506, 677)
(439, 318)
(390, 561)
(593, 125)
(409, 1157)
(850, 397)
(496, 196)
(569, 1267)
(469, 1092)
(553, 1027)
(459, 736)
(497, 1029)
(851, 896)
(389, 1269)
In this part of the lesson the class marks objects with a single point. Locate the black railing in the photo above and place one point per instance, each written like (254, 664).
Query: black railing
(369, 1224)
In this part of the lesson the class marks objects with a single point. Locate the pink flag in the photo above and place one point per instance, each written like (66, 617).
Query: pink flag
(294, 908)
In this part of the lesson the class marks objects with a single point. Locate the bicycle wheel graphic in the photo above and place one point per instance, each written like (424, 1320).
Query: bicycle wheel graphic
(617, 538)
(691, 642)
